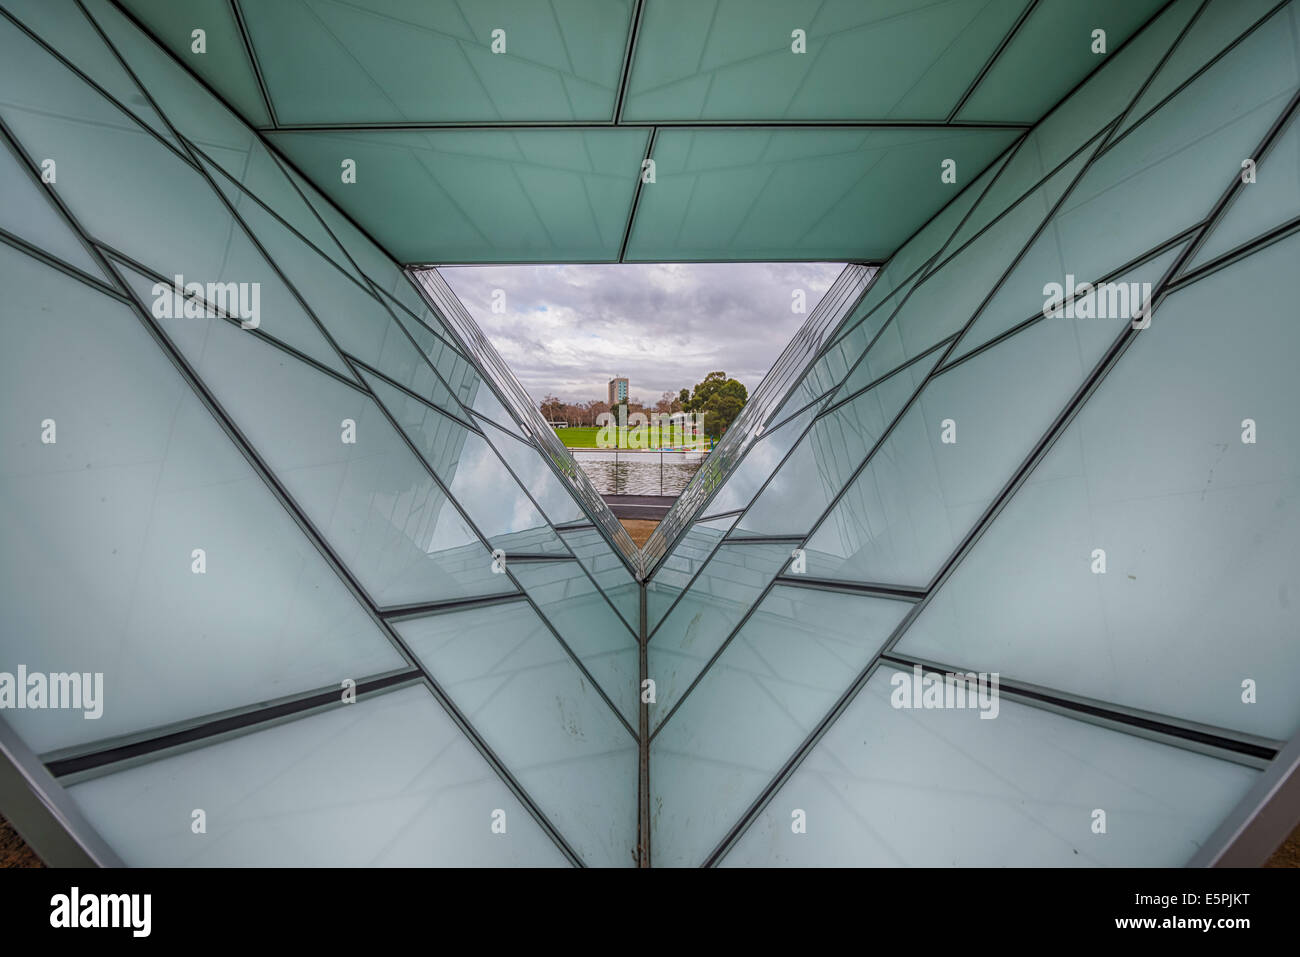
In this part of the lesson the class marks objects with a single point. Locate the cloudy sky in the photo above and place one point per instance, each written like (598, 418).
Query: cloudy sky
(568, 330)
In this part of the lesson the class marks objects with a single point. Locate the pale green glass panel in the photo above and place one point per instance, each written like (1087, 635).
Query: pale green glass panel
(72, 36)
(195, 113)
(1220, 23)
(473, 474)
(128, 190)
(431, 60)
(824, 460)
(810, 193)
(360, 324)
(1083, 114)
(552, 496)
(679, 566)
(372, 499)
(608, 571)
(261, 176)
(520, 690)
(1166, 176)
(918, 496)
(592, 629)
(1199, 528)
(724, 592)
(224, 62)
(28, 215)
(98, 534)
(275, 797)
(481, 195)
(733, 60)
(1058, 32)
(950, 294)
(1271, 200)
(760, 461)
(780, 675)
(893, 787)
(1115, 303)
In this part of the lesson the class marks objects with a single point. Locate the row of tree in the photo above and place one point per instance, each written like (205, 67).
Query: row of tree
(719, 397)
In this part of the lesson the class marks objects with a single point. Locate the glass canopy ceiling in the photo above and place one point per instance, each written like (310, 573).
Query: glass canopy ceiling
(326, 528)
(535, 153)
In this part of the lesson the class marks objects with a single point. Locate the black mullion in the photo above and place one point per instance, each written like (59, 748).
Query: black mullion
(988, 64)
(252, 59)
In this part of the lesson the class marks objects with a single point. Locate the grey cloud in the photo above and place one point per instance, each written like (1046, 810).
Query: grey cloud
(568, 329)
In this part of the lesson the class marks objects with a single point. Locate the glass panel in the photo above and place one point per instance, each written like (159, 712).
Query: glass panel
(432, 61)
(1075, 121)
(942, 788)
(114, 176)
(759, 463)
(538, 713)
(195, 113)
(798, 193)
(1109, 304)
(72, 35)
(1059, 32)
(727, 62)
(806, 483)
(1165, 177)
(360, 484)
(676, 570)
(1271, 200)
(224, 62)
(919, 495)
(98, 536)
(949, 296)
(1199, 528)
(526, 462)
(780, 675)
(28, 215)
(721, 596)
(259, 175)
(360, 324)
(473, 474)
(276, 797)
(1221, 22)
(608, 570)
(467, 196)
(589, 626)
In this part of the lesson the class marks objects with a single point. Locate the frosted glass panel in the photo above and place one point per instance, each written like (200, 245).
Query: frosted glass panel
(1199, 529)
(1271, 200)
(346, 466)
(893, 787)
(30, 216)
(99, 535)
(798, 652)
(276, 797)
(514, 682)
(951, 452)
(706, 614)
(676, 570)
(590, 627)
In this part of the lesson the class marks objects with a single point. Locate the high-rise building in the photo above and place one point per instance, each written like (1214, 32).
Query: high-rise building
(1041, 430)
(617, 391)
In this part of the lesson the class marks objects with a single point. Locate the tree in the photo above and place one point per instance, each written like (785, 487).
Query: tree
(719, 398)
(668, 403)
(552, 408)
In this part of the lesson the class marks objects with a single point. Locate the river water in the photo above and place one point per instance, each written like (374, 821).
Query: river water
(637, 472)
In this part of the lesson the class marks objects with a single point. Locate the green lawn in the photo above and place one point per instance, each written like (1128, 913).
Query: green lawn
(584, 437)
